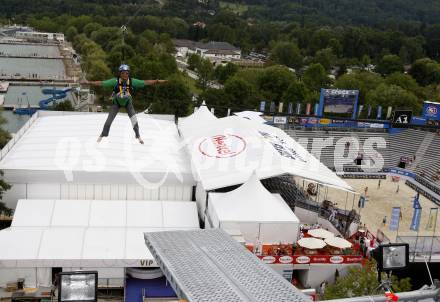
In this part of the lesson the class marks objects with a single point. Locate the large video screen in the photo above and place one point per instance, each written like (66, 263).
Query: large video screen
(339, 102)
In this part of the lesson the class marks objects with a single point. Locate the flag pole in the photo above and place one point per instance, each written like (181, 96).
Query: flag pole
(398, 223)
(433, 232)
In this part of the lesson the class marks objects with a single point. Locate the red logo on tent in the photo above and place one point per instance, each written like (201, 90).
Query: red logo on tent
(222, 146)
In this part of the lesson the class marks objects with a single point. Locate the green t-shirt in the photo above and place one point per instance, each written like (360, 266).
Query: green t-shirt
(111, 83)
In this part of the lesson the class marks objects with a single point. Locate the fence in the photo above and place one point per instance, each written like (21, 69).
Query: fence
(421, 245)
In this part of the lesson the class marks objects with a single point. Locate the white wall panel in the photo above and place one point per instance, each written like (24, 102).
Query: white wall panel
(43, 191)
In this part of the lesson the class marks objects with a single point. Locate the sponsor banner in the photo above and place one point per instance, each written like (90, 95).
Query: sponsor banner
(362, 176)
(312, 259)
(432, 220)
(361, 202)
(417, 120)
(389, 111)
(262, 106)
(401, 118)
(316, 109)
(283, 148)
(290, 108)
(415, 221)
(431, 111)
(280, 107)
(298, 108)
(395, 219)
(222, 146)
(308, 108)
(399, 171)
(379, 112)
(325, 121)
(272, 107)
(280, 120)
(361, 107)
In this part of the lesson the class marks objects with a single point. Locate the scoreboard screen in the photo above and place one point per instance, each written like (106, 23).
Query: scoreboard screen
(339, 102)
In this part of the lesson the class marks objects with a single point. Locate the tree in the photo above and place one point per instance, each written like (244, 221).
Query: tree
(389, 64)
(395, 96)
(194, 61)
(315, 77)
(4, 138)
(426, 71)
(405, 81)
(362, 281)
(325, 57)
(363, 81)
(71, 32)
(223, 73)
(297, 92)
(274, 81)
(63, 106)
(91, 27)
(217, 98)
(205, 72)
(286, 53)
(240, 93)
(173, 97)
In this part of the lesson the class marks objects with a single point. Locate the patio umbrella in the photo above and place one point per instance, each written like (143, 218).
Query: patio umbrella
(320, 233)
(338, 242)
(311, 243)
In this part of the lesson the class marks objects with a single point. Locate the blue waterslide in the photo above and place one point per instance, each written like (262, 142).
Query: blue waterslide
(57, 94)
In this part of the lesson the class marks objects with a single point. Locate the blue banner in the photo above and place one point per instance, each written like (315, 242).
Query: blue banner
(262, 106)
(395, 219)
(399, 171)
(415, 222)
(369, 111)
(379, 113)
(416, 202)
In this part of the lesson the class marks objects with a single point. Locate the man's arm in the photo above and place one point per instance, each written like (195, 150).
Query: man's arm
(93, 83)
(152, 82)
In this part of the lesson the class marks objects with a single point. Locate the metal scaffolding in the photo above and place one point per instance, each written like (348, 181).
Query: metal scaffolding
(208, 265)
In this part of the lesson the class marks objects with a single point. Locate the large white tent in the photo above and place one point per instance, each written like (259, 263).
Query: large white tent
(255, 212)
(225, 151)
(89, 233)
(56, 156)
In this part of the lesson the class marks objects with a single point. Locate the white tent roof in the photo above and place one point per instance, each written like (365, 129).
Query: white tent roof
(201, 115)
(55, 144)
(251, 115)
(251, 202)
(86, 233)
(224, 152)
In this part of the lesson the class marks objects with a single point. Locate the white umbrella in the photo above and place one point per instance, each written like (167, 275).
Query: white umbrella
(338, 242)
(320, 233)
(311, 243)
